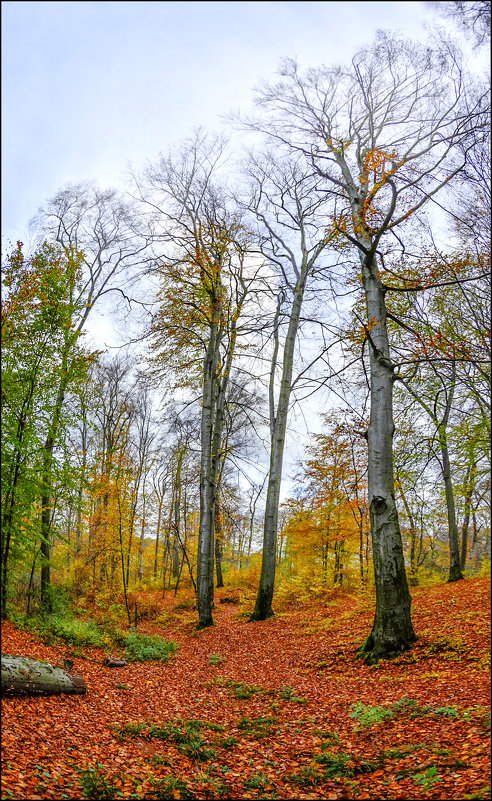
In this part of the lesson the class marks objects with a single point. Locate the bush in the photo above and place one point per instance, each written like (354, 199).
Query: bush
(148, 648)
(55, 628)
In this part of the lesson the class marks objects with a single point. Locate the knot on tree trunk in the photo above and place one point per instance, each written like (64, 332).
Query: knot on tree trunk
(378, 505)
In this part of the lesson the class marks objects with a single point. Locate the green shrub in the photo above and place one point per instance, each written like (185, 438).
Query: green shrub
(148, 648)
(54, 628)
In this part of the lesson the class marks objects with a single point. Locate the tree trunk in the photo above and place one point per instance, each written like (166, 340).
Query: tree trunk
(46, 600)
(392, 630)
(47, 481)
(218, 545)
(414, 578)
(469, 487)
(278, 424)
(205, 556)
(23, 676)
(455, 573)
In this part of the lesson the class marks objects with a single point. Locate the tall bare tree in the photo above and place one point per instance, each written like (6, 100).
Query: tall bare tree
(386, 133)
(290, 213)
(202, 248)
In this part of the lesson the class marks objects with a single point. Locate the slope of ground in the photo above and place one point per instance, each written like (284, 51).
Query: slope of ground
(277, 709)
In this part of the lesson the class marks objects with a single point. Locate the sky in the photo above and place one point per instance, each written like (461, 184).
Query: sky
(89, 88)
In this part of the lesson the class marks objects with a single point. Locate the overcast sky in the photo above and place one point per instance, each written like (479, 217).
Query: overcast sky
(90, 87)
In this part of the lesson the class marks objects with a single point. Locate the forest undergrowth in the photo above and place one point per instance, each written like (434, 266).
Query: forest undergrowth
(275, 709)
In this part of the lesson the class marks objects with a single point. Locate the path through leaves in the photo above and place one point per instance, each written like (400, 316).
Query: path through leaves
(277, 709)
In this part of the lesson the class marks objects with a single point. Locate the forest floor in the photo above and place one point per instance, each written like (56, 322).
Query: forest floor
(278, 709)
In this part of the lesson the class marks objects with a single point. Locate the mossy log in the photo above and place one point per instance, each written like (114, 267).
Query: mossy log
(24, 676)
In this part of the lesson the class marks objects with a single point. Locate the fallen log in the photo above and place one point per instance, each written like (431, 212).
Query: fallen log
(24, 676)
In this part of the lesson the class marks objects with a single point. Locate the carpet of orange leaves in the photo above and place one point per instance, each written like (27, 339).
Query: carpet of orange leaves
(46, 741)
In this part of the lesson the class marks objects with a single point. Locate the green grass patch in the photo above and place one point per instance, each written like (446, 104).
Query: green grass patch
(95, 785)
(227, 742)
(335, 764)
(184, 734)
(370, 715)
(257, 727)
(289, 694)
(170, 787)
(307, 777)
(258, 781)
(148, 648)
(243, 691)
(215, 659)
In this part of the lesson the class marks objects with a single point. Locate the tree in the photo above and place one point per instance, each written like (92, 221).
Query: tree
(40, 333)
(331, 516)
(100, 227)
(205, 284)
(288, 210)
(387, 133)
(472, 15)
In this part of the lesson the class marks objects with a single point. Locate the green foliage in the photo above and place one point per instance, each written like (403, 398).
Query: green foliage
(256, 782)
(41, 363)
(56, 629)
(215, 659)
(371, 715)
(130, 730)
(148, 648)
(243, 691)
(398, 753)
(227, 742)
(335, 764)
(307, 777)
(257, 727)
(427, 779)
(479, 795)
(168, 787)
(95, 785)
(448, 648)
(184, 734)
(287, 694)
